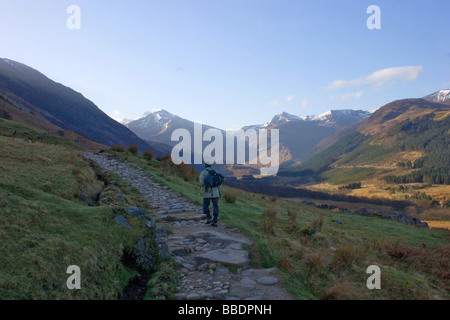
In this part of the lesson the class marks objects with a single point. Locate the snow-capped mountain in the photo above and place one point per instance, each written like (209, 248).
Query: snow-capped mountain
(158, 125)
(442, 96)
(331, 118)
(298, 134)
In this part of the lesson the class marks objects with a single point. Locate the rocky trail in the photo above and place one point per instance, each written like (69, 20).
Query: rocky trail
(214, 262)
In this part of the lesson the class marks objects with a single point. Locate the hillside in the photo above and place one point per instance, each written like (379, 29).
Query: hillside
(52, 217)
(404, 141)
(57, 212)
(30, 91)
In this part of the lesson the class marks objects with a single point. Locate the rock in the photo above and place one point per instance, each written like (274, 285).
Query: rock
(161, 246)
(333, 249)
(145, 255)
(180, 296)
(254, 298)
(136, 212)
(227, 256)
(215, 237)
(203, 267)
(247, 280)
(242, 290)
(160, 231)
(148, 221)
(235, 246)
(193, 296)
(123, 221)
(404, 218)
(121, 197)
(206, 295)
(258, 273)
(267, 281)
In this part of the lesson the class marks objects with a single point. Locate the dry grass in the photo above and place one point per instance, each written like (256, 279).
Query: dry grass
(270, 218)
(148, 155)
(230, 196)
(133, 149)
(431, 261)
(117, 148)
(439, 224)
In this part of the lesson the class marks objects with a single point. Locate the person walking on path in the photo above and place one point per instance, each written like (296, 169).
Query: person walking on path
(210, 181)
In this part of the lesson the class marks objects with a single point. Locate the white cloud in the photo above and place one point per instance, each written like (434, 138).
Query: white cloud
(351, 95)
(304, 103)
(381, 77)
(289, 98)
(275, 103)
(447, 84)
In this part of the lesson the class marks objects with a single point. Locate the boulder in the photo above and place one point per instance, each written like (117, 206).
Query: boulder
(136, 212)
(226, 256)
(120, 219)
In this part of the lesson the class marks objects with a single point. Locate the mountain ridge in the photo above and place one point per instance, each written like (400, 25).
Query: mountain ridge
(30, 90)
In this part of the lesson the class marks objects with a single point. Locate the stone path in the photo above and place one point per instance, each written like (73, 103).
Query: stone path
(214, 261)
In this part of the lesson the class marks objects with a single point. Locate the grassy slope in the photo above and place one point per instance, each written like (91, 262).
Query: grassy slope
(313, 270)
(44, 227)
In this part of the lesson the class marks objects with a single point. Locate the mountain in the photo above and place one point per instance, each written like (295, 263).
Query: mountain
(30, 91)
(404, 141)
(299, 135)
(158, 125)
(442, 96)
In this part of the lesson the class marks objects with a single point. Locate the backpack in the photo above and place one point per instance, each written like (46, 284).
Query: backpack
(213, 179)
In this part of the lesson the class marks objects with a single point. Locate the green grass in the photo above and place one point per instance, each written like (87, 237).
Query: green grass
(45, 227)
(310, 268)
(344, 175)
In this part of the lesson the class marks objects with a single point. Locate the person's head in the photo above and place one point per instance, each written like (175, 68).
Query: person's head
(207, 165)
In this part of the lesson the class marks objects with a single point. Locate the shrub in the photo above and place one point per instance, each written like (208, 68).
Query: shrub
(318, 222)
(270, 217)
(187, 173)
(345, 257)
(117, 148)
(292, 217)
(148, 155)
(133, 149)
(230, 197)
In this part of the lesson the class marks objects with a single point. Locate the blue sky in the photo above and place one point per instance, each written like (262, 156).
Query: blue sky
(232, 63)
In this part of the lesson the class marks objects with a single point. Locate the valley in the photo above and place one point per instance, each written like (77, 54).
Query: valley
(354, 189)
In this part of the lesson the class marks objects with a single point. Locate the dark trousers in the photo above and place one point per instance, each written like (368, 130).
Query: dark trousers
(206, 202)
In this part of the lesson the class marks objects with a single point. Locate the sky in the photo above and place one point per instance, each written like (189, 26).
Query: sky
(232, 63)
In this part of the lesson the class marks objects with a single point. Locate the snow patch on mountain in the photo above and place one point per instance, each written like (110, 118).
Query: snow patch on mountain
(327, 118)
(441, 96)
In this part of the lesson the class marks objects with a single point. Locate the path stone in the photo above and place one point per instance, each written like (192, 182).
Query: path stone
(216, 237)
(267, 281)
(226, 256)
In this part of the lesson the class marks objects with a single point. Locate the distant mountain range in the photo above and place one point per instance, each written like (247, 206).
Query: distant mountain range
(404, 141)
(32, 92)
(298, 134)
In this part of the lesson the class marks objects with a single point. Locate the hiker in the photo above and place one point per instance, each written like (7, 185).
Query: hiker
(210, 181)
